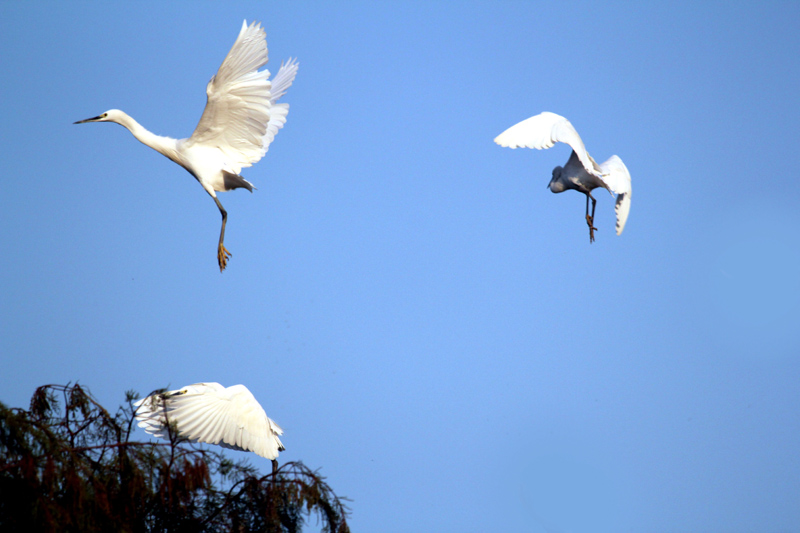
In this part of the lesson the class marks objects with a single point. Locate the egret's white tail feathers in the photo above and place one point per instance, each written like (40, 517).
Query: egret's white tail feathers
(283, 79)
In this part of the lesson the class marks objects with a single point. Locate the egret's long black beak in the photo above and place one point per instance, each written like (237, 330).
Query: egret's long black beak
(93, 119)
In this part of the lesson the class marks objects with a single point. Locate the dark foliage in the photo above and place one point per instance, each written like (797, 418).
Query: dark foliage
(67, 465)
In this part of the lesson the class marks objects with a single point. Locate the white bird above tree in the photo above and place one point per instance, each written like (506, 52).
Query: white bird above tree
(239, 122)
(210, 413)
(581, 172)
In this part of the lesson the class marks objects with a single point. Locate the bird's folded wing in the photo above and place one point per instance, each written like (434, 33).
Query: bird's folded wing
(239, 100)
(208, 412)
(543, 131)
(615, 174)
(204, 413)
(254, 430)
(190, 408)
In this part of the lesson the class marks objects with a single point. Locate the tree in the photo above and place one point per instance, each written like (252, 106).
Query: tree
(66, 464)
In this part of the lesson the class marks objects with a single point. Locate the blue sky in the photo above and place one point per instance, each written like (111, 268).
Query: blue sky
(428, 323)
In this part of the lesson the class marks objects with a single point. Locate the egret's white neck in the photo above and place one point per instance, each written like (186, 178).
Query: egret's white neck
(165, 145)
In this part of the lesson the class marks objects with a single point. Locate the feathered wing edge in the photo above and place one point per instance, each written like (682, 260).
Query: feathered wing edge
(280, 84)
(238, 101)
(150, 414)
(622, 208)
(273, 444)
(545, 130)
(615, 174)
(283, 79)
(248, 53)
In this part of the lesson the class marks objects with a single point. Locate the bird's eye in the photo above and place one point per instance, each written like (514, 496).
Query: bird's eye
(105, 115)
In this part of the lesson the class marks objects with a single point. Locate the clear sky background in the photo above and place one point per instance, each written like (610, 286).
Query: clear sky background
(427, 322)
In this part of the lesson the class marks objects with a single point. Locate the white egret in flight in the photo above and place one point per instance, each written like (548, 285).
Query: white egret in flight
(581, 172)
(211, 413)
(238, 124)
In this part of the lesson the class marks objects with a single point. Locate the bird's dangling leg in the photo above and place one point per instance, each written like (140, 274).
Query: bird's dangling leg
(222, 254)
(590, 218)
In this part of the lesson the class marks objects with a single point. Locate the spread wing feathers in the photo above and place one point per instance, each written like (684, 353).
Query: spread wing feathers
(543, 131)
(211, 413)
(238, 108)
(615, 174)
(282, 81)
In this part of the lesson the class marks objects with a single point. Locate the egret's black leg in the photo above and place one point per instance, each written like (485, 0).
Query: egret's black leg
(222, 254)
(590, 218)
(274, 468)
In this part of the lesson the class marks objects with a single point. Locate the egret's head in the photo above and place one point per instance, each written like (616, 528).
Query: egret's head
(555, 184)
(112, 115)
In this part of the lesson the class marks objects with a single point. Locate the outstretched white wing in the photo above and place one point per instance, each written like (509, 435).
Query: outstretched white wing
(238, 113)
(280, 83)
(543, 131)
(211, 413)
(615, 174)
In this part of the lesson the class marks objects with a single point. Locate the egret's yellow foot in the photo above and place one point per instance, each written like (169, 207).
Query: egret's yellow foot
(222, 257)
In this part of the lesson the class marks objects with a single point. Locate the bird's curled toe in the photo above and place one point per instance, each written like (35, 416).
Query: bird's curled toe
(222, 257)
(592, 229)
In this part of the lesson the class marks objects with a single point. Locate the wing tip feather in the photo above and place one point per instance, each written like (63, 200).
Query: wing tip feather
(622, 210)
